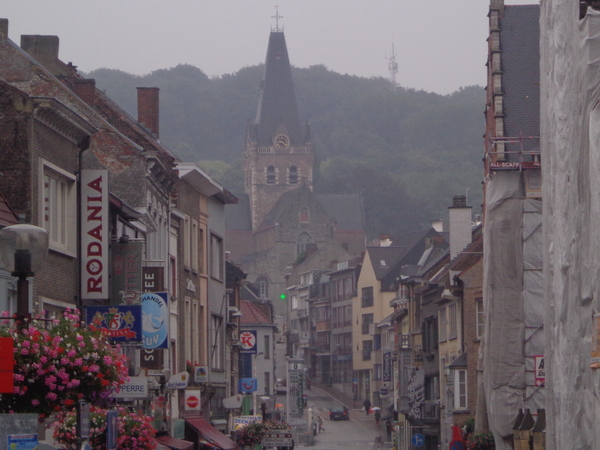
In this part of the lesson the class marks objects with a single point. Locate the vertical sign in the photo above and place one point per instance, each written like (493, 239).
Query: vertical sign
(6, 365)
(416, 393)
(94, 234)
(112, 430)
(248, 342)
(126, 273)
(155, 320)
(153, 275)
(387, 366)
(540, 370)
(295, 383)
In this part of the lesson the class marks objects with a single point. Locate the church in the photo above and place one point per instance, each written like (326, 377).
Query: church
(279, 221)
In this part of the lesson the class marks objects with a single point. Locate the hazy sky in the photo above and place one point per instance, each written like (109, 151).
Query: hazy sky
(440, 45)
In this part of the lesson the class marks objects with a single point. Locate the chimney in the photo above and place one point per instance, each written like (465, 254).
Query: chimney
(385, 240)
(438, 225)
(44, 49)
(86, 90)
(4, 28)
(148, 108)
(460, 225)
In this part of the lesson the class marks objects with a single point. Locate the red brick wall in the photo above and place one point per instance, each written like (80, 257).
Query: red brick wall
(148, 108)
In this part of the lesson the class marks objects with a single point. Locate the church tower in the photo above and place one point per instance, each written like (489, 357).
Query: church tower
(279, 150)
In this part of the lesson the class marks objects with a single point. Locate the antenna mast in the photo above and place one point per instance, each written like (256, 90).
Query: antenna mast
(393, 67)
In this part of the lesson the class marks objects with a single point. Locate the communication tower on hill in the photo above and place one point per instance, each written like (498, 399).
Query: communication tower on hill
(393, 68)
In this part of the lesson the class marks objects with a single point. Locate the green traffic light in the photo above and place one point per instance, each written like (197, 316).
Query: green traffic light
(282, 296)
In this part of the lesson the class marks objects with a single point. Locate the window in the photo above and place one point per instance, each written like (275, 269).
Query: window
(302, 242)
(480, 317)
(59, 218)
(187, 247)
(263, 287)
(216, 256)
(304, 215)
(460, 389)
(271, 175)
(367, 296)
(442, 324)
(452, 321)
(376, 342)
(267, 383)
(430, 335)
(367, 319)
(194, 245)
(294, 302)
(217, 346)
(293, 175)
(267, 349)
(377, 371)
(367, 348)
(173, 266)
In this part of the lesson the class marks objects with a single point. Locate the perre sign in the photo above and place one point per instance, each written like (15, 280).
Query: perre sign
(94, 234)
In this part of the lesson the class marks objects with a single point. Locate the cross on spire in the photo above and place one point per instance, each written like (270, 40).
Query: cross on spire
(277, 17)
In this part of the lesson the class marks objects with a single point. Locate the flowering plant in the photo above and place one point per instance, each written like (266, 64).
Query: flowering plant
(135, 430)
(254, 432)
(57, 363)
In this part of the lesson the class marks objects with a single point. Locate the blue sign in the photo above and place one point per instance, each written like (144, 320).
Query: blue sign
(248, 340)
(418, 440)
(111, 429)
(22, 441)
(457, 445)
(119, 323)
(248, 384)
(155, 319)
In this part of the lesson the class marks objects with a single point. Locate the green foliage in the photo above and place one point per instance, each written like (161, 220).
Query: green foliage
(418, 148)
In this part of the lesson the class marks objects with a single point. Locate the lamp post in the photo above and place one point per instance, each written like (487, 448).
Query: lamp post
(23, 249)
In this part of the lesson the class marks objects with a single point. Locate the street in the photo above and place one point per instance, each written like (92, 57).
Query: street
(358, 432)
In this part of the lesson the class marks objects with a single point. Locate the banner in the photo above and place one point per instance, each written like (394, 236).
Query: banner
(416, 393)
(155, 319)
(126, 273)
(118, 323)
(387, 366)
(94, 234)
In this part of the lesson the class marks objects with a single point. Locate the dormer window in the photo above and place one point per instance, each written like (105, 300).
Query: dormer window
(304, 215)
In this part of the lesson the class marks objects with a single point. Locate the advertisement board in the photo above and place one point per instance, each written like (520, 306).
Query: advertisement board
(155, 319)
(126, 273)
(119, 323)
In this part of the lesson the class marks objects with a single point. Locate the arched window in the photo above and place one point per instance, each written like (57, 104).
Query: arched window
(304, 215)
(263, 287)
(293, 175)
(271, 175)
(303, 240)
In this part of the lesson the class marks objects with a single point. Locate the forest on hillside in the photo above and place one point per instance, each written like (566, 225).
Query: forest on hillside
(406, 152)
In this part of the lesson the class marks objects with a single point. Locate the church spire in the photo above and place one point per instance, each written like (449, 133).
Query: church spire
(277, 106)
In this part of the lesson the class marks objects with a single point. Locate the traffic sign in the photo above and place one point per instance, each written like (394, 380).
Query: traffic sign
(457, 445)
(418, 440)
(383, 392)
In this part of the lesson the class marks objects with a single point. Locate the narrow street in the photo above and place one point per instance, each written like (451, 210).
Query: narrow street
(359, 432)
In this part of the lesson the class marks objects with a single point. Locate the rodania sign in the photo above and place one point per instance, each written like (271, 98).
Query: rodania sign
(94, 234)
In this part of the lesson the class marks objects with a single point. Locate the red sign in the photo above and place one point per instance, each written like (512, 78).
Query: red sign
(7, 364)
(192, 402)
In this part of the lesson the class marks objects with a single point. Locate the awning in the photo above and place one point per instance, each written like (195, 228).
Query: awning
(211, 435)
(174, 443)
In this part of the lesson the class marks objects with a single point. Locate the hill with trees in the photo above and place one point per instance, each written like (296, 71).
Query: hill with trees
(406, 152)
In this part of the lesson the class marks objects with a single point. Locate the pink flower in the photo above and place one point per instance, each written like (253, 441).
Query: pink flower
(24, 351)
(35, 402)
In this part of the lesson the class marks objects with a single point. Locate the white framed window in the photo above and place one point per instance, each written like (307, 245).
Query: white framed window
(188, 330)
(452, 321)
(294, 302)
(58, 207)
(194, 246)
(267, 349)
(216, 256)
(480, 317)
(216, 350)
(460, 389)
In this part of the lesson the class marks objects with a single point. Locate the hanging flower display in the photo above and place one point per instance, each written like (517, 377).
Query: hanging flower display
(135, 430)
(57, 363)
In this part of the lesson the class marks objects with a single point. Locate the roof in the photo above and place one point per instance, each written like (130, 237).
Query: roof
(461, 361)
(252, 315)
(7, 215)
(383, 259)
(519, 41)
(277, 104)
(237, 216)
(345, 209)
(175, 443)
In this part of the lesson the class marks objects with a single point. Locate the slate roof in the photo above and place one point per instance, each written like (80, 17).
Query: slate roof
(277, 103)
(519, 41)
(345, 209)
(252, 315)
(237, 216)
(7, 216)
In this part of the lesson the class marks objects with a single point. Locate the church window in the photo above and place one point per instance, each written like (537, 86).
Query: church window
(263, 287)
(293, 175)
(304, 215)
(303, 240)
(271, 175)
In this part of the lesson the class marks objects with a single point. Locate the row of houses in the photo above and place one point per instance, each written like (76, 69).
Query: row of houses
(125, 217)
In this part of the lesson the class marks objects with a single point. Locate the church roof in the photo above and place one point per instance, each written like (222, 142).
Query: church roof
(345, 209)
(277, 104)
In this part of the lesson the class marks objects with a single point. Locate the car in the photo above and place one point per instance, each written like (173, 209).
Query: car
(339, 413)
(280, 386)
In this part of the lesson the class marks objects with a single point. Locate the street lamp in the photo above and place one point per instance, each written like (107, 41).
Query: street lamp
(23, 249)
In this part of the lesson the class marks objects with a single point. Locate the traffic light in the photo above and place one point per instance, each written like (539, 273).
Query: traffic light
(282, 296)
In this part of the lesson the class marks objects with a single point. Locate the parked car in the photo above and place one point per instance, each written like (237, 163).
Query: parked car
(339, 413)
(280, 386)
